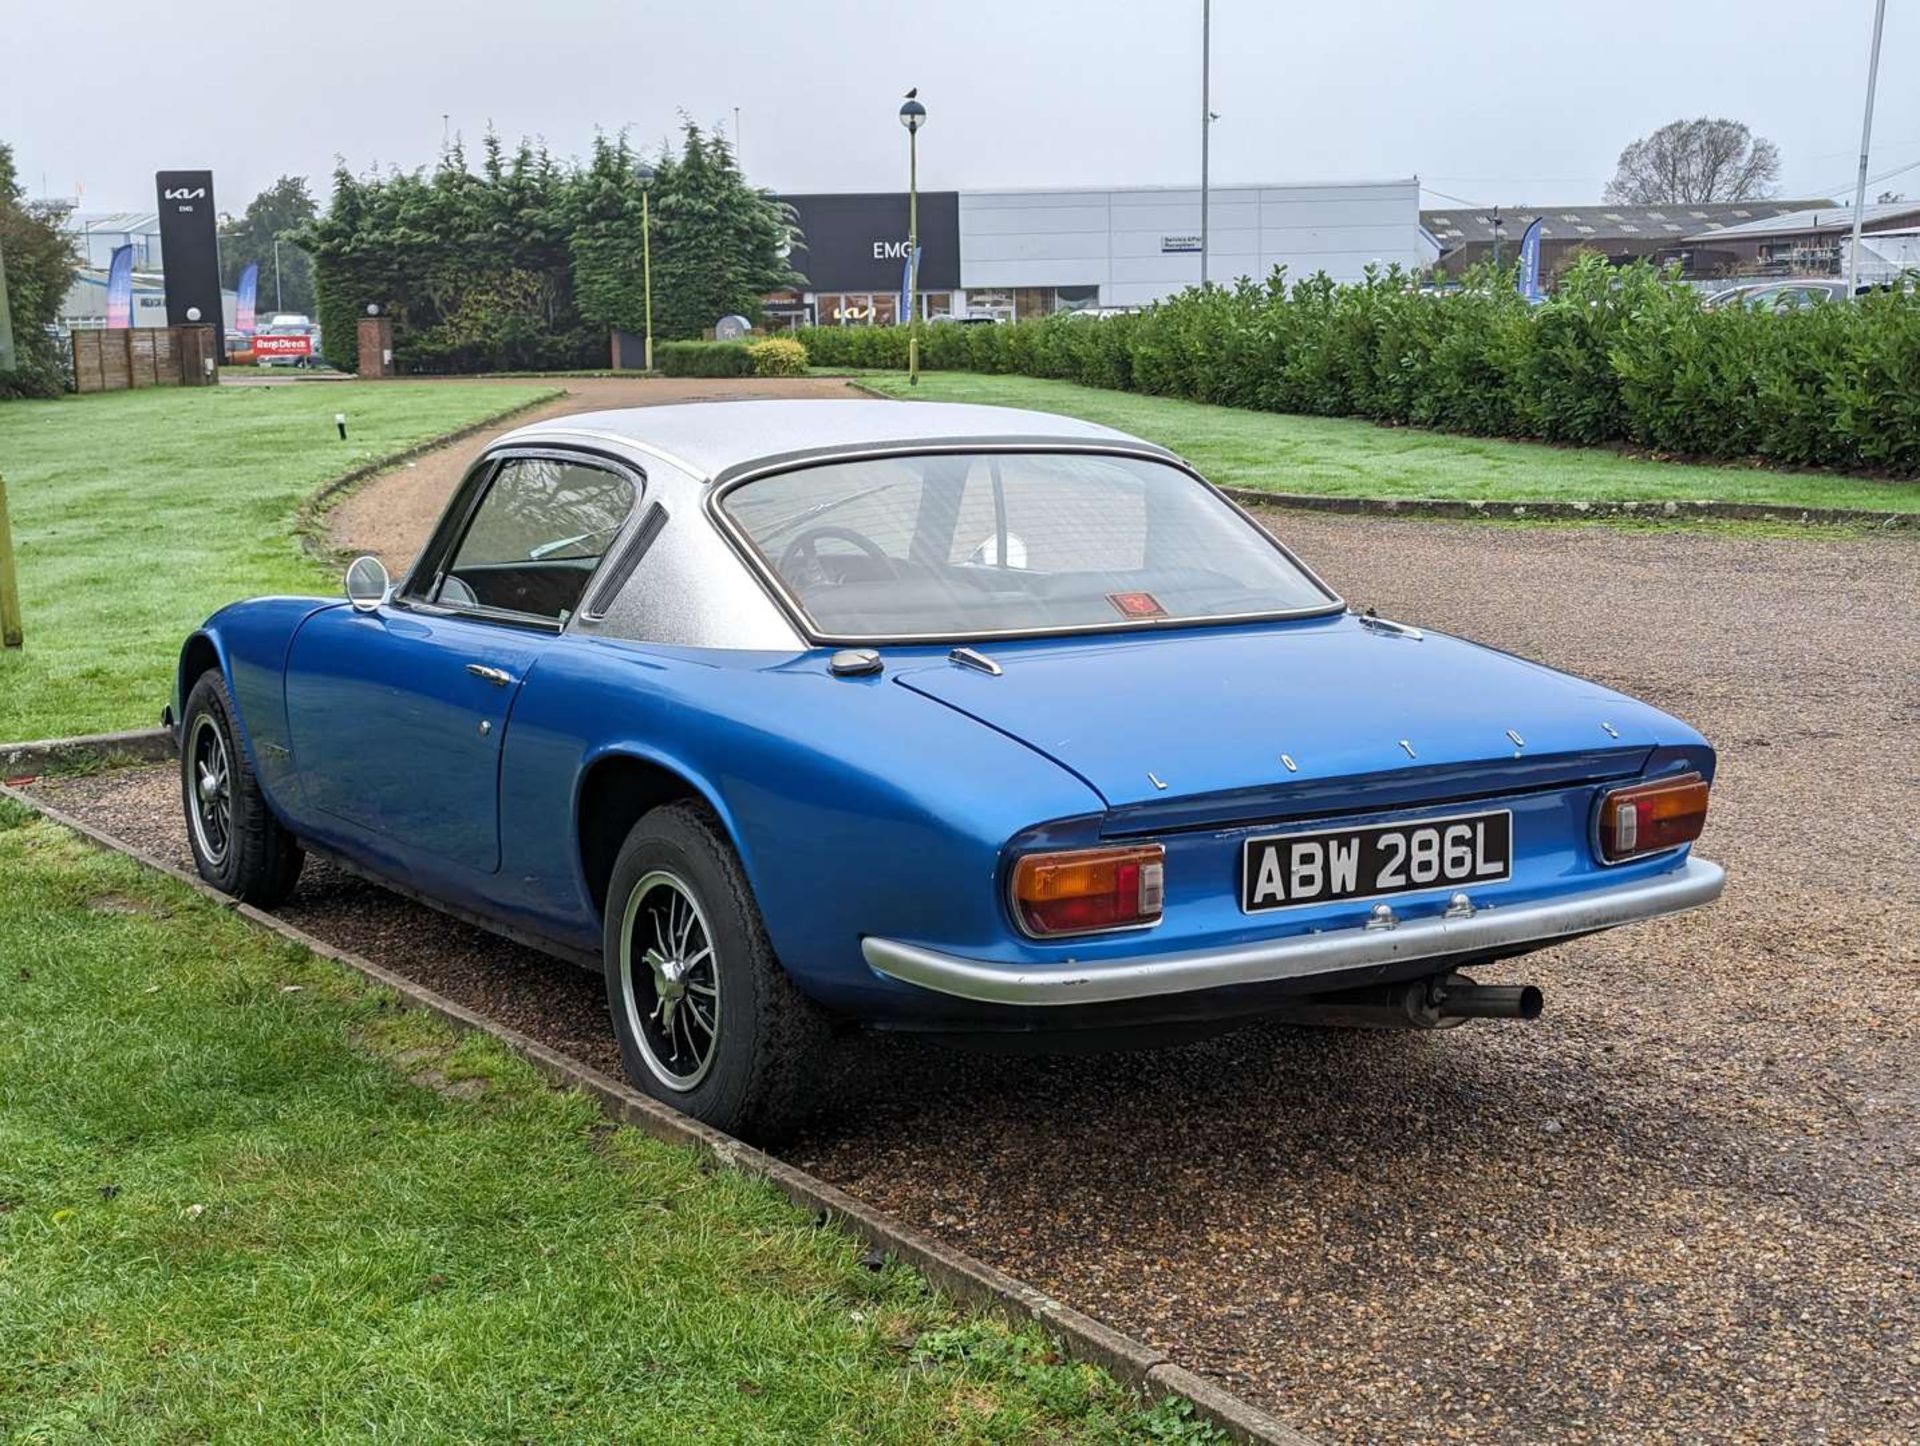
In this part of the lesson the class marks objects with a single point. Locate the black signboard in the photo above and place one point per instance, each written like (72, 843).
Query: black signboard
(858, 242)
(190, 250)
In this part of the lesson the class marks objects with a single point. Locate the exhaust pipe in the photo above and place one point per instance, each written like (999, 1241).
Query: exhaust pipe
(1463, 999)
(1439, 1001)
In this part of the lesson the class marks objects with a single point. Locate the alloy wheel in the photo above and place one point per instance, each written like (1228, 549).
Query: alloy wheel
(668, 980)
(211, 781)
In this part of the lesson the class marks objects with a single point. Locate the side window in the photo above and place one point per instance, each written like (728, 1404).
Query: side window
(537, 537)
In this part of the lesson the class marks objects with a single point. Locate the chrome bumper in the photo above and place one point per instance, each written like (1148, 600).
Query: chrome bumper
(1489, 929)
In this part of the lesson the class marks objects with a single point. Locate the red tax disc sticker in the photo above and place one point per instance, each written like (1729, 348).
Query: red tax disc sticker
(1137, 604)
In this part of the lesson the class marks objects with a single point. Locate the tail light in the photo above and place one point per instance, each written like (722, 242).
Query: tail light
(1087, 890)
(1650, 818)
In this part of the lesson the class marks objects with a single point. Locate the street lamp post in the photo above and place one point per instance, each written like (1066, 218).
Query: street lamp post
(278, 304)
(1206, 122)
(913, 115)
(1866, 140)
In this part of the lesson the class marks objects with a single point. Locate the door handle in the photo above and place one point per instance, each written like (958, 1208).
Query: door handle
(499, 677)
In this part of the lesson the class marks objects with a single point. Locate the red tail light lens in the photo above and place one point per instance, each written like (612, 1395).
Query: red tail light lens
(1087, 890)
(1650, 818)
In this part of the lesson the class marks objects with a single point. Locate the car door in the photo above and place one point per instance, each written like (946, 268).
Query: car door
(397, 715)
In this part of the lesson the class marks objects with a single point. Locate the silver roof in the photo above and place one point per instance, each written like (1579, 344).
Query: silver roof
(1583, 222)
(1816, 219)
(709, 438)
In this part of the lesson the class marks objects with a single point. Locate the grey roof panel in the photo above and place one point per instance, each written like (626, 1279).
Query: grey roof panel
(713, 437)
(1830, 217)
(1476, 223)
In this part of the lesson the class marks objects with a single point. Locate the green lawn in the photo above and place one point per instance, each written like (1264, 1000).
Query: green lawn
(135, 514)
(244, 1198)
(1336, 457)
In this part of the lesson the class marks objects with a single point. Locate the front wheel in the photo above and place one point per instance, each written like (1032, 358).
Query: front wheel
(238, 845)
(707, 1019)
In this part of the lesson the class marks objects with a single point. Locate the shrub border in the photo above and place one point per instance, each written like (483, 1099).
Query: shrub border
(974, 1282)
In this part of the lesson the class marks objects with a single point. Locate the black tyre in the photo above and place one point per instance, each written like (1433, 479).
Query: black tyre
(238, 845)
(707, 1019)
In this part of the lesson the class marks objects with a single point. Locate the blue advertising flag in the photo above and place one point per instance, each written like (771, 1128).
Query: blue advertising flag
(120, 289)
(1530, 265)
(244, 298)
(907, 278)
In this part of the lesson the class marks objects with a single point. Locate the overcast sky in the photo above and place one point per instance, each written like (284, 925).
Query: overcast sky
(1501, 101)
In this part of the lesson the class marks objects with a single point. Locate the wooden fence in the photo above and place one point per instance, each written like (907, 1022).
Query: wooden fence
(114, 361)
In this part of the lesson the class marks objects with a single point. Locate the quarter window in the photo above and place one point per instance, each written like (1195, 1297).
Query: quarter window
(536, 538)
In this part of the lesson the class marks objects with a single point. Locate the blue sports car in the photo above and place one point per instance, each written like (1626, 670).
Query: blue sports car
(787, 715)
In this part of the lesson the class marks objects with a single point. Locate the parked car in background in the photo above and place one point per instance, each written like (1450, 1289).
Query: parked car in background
(287, 338)
(1784, 295)
(785, 716)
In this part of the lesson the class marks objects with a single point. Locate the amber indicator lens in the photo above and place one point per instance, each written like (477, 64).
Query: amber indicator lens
(1086, 890)
(1650, 818)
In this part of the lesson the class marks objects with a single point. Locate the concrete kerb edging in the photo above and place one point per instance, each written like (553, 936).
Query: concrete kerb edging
(959, 1275)
(139, 745)
(1577, 511)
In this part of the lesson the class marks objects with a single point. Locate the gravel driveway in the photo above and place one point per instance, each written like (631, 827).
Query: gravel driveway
(1684, 1204)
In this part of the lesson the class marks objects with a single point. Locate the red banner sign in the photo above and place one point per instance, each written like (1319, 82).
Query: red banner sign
(290, 345)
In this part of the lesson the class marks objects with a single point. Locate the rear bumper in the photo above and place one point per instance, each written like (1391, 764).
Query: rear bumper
(1311, 957)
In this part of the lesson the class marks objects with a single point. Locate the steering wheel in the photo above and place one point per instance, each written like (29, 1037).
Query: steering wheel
(801, 560)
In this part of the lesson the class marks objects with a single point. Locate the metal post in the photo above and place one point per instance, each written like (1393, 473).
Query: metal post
(1866, 135)
(646, 269)
(278, 304)
(11, 631)
(8, 359)
(1206, 121)
(913, 256)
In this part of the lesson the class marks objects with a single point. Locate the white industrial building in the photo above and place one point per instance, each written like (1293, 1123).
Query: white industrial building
(1141, 244)
(96, 236)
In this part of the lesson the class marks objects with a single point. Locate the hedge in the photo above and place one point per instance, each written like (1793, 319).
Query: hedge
(1618, 356)
(778, 356)
(702, 359)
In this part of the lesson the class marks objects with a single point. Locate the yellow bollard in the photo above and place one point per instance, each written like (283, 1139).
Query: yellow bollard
(11, 635)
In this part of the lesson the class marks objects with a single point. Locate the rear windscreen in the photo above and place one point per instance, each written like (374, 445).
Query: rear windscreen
(956, 546)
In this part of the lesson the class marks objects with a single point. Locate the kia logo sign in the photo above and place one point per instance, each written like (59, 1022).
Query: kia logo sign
(197, 193)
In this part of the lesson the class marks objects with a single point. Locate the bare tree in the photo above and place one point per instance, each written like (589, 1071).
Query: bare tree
(1687, 162)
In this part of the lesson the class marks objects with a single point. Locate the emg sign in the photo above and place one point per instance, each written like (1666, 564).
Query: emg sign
(857, 241)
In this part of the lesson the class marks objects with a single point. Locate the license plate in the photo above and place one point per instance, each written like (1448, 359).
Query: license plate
(1285, 871)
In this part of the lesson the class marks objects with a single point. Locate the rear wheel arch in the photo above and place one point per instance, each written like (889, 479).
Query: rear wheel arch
(618, 790)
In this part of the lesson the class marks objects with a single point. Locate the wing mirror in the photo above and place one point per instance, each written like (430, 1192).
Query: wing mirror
(367, 584)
